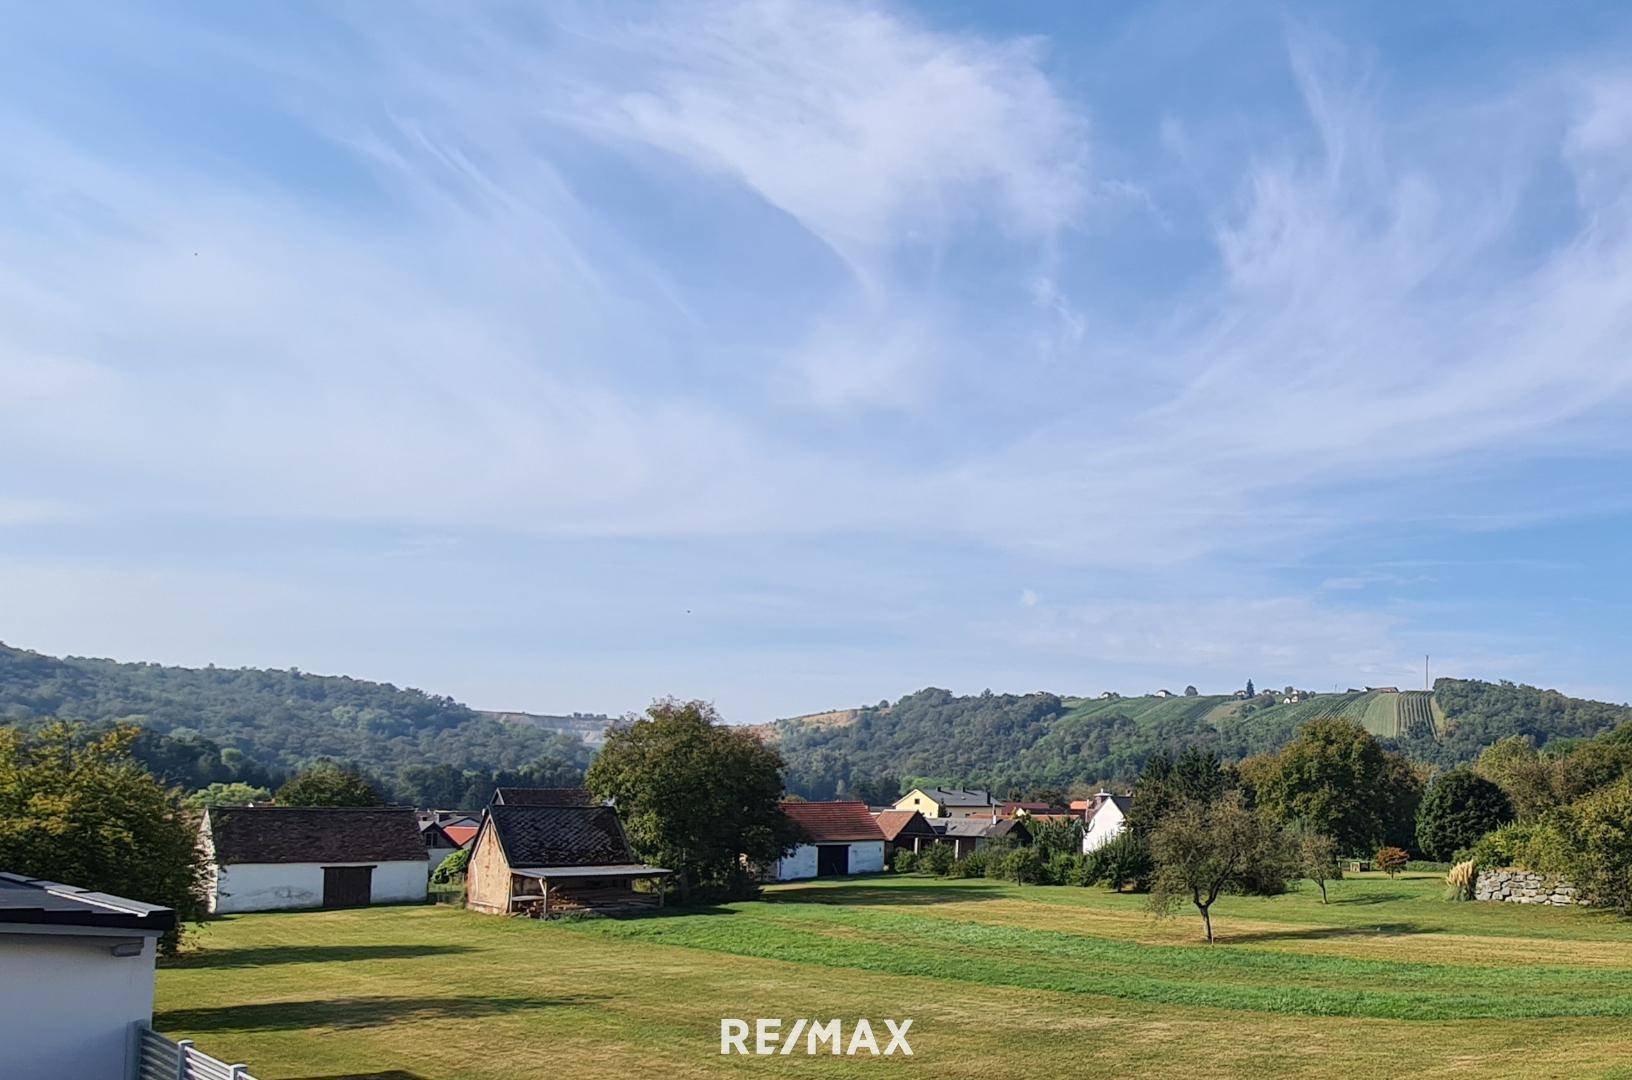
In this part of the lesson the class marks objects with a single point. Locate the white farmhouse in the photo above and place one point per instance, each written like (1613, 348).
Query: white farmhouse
(1107, 816)
(270, 858)
(76, 979)
(840, 838)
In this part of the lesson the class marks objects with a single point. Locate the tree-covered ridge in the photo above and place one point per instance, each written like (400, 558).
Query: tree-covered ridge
(1009, 742)
(220, 724)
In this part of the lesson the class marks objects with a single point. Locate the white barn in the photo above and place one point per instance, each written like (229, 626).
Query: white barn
(1107, 816)
(840, 838)
(271, 858)
(76, 976)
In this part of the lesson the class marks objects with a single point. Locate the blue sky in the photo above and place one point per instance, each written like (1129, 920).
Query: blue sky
(802, 355)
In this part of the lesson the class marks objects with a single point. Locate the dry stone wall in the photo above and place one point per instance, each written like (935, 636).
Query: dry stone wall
(1516, 886)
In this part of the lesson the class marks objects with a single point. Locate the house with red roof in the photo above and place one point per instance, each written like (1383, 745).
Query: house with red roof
(840, 838)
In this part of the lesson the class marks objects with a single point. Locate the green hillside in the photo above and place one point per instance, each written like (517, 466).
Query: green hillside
(254, 724)
(1012, 742)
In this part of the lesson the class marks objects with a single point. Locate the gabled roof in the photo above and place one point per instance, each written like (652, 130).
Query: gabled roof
(834, 822)
(461, 834)
(983, 827)
(314, 834)
(534, 836)
(1009, 809)
(543, 796)
(959, 796)
(1124, 803)
(36, 902)
(896, 823)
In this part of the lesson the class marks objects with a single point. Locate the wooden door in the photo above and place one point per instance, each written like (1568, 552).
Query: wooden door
(347, 886)
(832, 860)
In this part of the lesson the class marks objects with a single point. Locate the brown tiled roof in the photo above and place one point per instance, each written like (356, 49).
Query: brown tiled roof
(834, 822)
(560, 835)
(461, 834)
(307, 834)
(544, 796)
(892, 823)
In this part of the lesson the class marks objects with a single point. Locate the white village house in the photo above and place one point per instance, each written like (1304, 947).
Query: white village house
(841, 838)
(270, 858)
(76, 979)
(1107, 815)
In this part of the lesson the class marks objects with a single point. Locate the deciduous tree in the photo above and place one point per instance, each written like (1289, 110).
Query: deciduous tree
(1202, 851)
(79, 809)
(695, 795)
(1459, 808)
(330, 784)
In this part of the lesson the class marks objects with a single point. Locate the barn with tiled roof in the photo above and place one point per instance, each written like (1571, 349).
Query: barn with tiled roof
(840, 838)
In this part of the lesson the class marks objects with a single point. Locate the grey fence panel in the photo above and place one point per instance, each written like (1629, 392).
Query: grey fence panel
(160, 1059)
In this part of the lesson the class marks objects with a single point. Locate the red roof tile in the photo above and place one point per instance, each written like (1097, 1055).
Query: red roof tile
(834, 822)
(461, 834)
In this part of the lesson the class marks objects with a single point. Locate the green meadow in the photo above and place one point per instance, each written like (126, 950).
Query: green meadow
(999, 980)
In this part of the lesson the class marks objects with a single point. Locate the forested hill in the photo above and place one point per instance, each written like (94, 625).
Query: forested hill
(1025, 742)
(277, 720)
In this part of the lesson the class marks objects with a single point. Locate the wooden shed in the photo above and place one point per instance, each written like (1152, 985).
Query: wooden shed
(549, 860)
(904, 830)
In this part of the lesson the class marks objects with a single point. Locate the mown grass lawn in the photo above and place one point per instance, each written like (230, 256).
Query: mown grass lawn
(999, 980)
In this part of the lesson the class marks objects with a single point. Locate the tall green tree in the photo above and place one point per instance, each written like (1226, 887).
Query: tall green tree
(233, 794)
(79, 809)
(695, 796)
(1459, 808)
(330, 784)
(1336, 779)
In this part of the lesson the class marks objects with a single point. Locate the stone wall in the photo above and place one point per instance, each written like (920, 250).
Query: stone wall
(1524, 887)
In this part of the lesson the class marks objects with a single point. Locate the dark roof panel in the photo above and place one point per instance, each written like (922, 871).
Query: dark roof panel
(36, 902)
(544, 796)
(320, 834)
(560, 835)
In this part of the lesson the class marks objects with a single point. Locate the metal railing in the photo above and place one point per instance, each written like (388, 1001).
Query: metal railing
(157, 1058)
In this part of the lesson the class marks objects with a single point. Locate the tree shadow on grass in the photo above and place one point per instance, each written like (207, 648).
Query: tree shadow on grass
(355, 1012)
(1374, 898)
(256, 956)
(1320, 933)
(389, 1074)
(876, 896)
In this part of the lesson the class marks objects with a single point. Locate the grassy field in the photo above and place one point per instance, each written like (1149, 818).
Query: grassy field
(999, 980)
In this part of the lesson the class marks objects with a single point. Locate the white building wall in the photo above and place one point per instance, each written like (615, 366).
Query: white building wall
(1102, 827)
(282, 886)
(867, 857)
(800, 864)
(67, 1005)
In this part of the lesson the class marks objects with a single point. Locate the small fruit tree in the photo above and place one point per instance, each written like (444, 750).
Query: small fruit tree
(1391, 860)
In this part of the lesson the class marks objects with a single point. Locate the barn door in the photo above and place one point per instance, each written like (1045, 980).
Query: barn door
(832, 860)
(347, 886)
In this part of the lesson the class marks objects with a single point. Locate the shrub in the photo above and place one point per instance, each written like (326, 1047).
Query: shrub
(1599, 828)
(937, 860)
(1125, 861)
(1023, 866)
(1391, 860)
(1459, 808)
(971, 865)
(1541, 844)
(1064, 868)
(451, 868)
(905, 861)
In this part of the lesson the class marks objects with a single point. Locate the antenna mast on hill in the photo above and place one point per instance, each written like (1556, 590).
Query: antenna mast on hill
(1425, 684)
